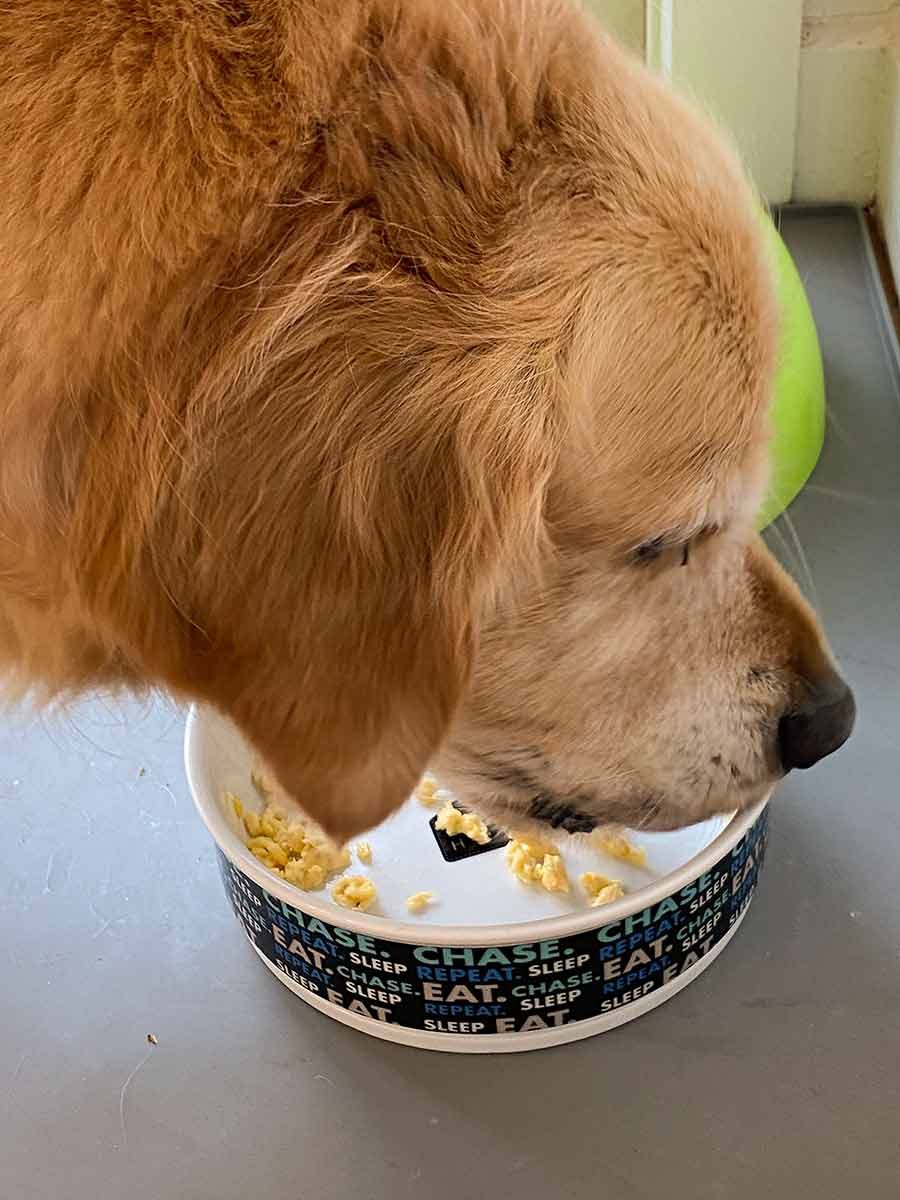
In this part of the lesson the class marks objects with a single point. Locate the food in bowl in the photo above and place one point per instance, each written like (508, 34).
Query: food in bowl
(453, 820)
(557, 968)
(296, 850)
(599, 889)
(302, 855)
(427, 791)
(616, 845)
(553, 874)
(354, 891)
(534, 861)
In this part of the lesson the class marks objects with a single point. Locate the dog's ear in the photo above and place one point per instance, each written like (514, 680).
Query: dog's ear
(363, 536)
(331, 537)
(345, 446)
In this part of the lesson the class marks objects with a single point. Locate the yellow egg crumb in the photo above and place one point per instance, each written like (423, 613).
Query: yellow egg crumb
(261, 781)
(452, 822)
(534, 861)
(300, 853)
(268, 850)
(553, 874)
(599, 889)
(293, 849)
(525, 856)
(354, 891)
(426, 791)
(617, 846)
(309, 876)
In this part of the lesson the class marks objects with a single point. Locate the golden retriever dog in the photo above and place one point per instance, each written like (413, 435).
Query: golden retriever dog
(393, 376)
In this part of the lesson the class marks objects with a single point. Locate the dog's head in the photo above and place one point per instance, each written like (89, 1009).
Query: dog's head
(474, 480)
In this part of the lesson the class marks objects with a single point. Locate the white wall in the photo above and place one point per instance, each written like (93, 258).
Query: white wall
(624, 18)
(841, 98)
(740, 59)
(839, 124)
(889, 171)
(804, 86)
(806, 111)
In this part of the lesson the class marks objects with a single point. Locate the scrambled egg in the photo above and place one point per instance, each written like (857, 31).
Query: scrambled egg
(354, 891)
(452, 821)
(553, 874)
(617, 846)
(298, 852)
(534, 861)
(599, 889)
(426, 791)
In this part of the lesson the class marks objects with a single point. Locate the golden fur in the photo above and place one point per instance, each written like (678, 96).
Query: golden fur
(348, 350)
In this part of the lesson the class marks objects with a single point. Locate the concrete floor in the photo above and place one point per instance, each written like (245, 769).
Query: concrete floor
(776, 1074)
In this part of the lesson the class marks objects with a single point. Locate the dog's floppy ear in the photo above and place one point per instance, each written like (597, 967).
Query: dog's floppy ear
(356, 518)
(381, 528)
(335, 444)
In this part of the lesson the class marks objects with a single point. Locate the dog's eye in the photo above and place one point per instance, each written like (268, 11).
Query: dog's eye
(678, 549)
(649, 551)
(656, 548)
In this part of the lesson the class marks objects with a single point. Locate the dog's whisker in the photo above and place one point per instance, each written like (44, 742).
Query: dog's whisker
(849, 497)
(837, 428)
(803, 560)
(793, 552)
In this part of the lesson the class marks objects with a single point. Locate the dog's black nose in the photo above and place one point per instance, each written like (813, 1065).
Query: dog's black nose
(819, 726)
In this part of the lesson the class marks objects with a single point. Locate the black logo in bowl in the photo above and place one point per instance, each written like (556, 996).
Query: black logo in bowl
(457, 847)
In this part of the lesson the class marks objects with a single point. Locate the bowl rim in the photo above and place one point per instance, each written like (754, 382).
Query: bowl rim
(390, 929)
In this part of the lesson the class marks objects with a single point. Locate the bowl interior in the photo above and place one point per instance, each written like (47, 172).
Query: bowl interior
(472, 889)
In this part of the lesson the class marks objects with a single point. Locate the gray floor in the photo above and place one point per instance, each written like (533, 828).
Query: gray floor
(778, 1073)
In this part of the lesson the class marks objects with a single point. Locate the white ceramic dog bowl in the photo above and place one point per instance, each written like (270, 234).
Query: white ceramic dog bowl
(493, 964)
